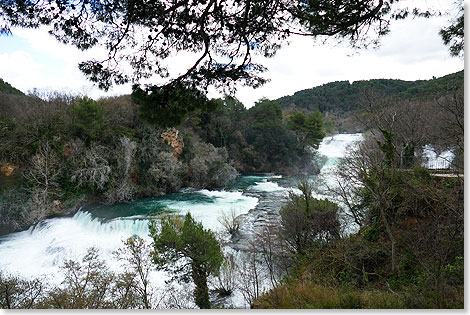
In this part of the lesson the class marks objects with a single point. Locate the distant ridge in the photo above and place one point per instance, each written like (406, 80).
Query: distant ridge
(5, 87)
(342, 96)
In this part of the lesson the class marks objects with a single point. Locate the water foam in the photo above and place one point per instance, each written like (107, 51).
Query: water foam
(433, 161)
(266, 186)
(41, 250)
(335, 146)
(221, 202)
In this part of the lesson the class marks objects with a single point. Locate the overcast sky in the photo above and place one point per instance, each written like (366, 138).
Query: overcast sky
(413, 50)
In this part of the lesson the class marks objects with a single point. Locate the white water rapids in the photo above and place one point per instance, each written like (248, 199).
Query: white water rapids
(42, 249)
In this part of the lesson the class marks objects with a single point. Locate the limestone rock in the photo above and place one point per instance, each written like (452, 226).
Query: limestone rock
(172, 138)
(8, 168)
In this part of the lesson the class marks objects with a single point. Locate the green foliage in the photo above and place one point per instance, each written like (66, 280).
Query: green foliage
(308, 222)
(256, 140)
(310, 129)
(88, 119)
(275, 146)
(453, 35)
(387, 148)
(342, 97)
(168, 106)
(265, 114)
(372, 232)
(305, 295)
(422, 215)
(104, 151)
(5, 87)
(296, 121)
(206, 165)
(177, 238)
(233, 107)
(257, 27)
(422, 174)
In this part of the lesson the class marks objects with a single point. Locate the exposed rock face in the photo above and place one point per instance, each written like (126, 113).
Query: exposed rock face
(8, 168)
(171, 137)
(57, 206)
(67, 151)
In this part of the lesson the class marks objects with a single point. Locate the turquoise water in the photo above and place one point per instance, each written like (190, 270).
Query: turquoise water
(187, 198)
(331, 162)
(146, 206)
(42, 249)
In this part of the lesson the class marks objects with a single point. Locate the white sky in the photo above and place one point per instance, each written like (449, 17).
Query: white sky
(413, 50)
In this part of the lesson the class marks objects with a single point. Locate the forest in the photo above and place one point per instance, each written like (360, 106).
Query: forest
(61, 151)
(340, 100)
(343, 96)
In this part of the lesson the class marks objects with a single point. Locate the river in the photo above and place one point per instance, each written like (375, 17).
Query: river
(41, 250)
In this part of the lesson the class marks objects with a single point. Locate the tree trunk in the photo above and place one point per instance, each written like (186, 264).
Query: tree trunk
(390, 236)
(201, 292)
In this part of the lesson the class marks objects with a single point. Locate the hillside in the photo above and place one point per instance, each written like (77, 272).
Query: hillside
(5, 87)
(342, 96)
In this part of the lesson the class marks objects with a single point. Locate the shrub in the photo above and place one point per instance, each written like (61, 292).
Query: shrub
(307, 221)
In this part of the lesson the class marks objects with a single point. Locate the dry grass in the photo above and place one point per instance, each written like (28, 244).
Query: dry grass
(309, 295)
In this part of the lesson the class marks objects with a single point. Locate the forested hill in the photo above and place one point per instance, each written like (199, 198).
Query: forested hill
(342, 96)
(5, 87)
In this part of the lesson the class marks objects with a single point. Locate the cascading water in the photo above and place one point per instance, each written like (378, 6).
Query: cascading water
(432, 160)
(333, 148)
(42, 249)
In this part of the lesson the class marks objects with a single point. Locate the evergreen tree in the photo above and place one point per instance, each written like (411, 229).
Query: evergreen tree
(141, 36)
(185, 241)
(88, 119)
(308, 222)
(310, 129)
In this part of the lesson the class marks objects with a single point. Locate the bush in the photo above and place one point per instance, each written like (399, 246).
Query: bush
(230, 221)
(307, 222)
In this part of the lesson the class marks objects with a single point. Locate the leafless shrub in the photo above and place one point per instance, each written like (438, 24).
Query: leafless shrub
(411, 122)
(209, 168)
(137, 260)
(273, 252)
(166, 171)
(124, 191)
(226, 281)
(230, 221)
(18, 293)
(127, 156)
(249, 282)
(123, 187)
(176, 297)
(449, 132)
(43, 176)
(352, 169)
(45, 170)
(89, 166)
(87, 284)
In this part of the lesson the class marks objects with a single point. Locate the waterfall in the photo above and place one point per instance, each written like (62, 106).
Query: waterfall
(42, 249)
